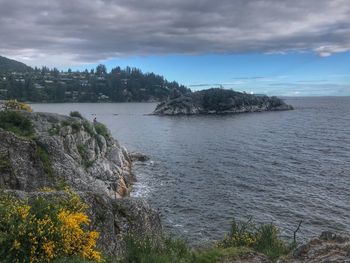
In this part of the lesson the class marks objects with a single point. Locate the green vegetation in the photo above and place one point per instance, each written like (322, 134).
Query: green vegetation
(76, 114)
(152, 250)
(264, 239)
(101, 129)
(10, 65)
(221, 99)
(83, 152)
(17, 123)
(244, 237)
(56, 229)
(45, 160)
(215, 254)
(17, 81)
(15, 105)
(55, 129)
(88, 128)
(43, 229)
(76, 125)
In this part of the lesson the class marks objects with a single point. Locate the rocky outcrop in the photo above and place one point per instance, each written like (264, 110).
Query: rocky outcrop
(66, 150)
(73, 152)
(329, 247)
(219, 101)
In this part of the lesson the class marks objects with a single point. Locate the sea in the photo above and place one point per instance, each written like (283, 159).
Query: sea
(206, 171)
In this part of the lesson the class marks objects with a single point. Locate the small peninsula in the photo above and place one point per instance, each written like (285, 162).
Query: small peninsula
(219, 101)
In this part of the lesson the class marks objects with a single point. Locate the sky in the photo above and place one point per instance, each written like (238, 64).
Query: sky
(274, 47)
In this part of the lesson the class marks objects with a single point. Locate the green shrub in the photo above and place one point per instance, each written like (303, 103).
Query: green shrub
(170, 250)
(83, 152)
(16, 122)
(76, 125)
(45, 160)
(269, 243)
(76, 114)
(89, 128)
(65, 123)
(264, 239)
(102, 130)
(55, 129)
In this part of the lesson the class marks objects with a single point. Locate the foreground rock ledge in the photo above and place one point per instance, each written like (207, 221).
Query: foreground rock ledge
(328, 247)
(68, 151)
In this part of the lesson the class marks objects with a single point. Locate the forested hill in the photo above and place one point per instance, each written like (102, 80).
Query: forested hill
(97, 85)
(10, 65)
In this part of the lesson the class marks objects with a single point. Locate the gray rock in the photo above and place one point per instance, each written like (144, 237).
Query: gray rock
(138, 157)
(84, 161)
(65, 153)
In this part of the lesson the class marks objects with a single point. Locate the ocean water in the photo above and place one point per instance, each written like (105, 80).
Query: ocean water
(205, 171)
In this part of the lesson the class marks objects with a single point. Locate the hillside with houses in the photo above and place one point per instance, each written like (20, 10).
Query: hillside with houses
(18, 81)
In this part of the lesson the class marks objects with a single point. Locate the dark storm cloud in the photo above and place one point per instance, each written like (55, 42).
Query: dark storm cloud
(62, 31)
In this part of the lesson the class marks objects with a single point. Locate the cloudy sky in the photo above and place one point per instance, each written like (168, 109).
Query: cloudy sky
(282, 47)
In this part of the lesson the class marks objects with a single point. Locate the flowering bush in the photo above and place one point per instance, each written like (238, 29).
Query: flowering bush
(15, 105)
(45, 229)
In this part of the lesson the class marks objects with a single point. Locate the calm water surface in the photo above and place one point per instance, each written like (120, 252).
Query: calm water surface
(278, 167)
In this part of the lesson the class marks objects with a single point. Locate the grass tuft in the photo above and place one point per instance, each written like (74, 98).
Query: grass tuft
(83, 152)
(264, 239)
(45, 160)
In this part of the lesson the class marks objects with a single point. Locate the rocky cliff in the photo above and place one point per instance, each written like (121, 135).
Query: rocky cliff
(66, 151)
(219, 101)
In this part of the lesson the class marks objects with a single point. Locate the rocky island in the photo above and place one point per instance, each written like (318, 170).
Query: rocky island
(219, 101)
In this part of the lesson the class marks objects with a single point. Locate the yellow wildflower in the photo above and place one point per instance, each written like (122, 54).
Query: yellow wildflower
(23, 211)
(49, 249)
(16, 245)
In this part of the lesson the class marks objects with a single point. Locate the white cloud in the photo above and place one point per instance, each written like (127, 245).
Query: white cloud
(63, 32)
